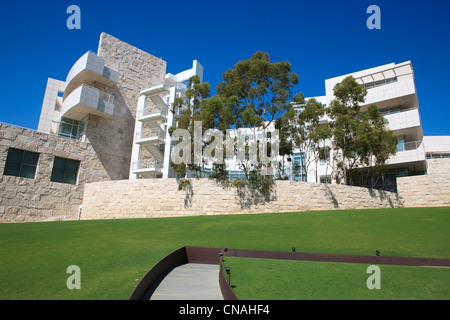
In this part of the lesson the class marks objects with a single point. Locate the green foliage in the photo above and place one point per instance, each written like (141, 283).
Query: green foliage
(190, 112)
(219, 172)
(362, 138)
(261, 91)
(183, 184)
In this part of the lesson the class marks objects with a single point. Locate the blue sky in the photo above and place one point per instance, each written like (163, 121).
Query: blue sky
(321, 39)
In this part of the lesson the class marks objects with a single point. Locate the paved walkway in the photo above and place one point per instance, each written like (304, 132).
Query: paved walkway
(190, 281)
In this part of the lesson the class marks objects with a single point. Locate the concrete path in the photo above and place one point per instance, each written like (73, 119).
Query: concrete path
(190, 281)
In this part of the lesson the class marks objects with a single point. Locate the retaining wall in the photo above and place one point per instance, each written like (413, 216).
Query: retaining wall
(161, 198)
(431, 190)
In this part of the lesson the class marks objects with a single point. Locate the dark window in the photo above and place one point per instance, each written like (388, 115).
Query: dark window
(65, 170)
(21, 163)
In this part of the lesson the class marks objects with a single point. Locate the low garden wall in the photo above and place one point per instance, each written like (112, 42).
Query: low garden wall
(431, 190)
(162, 198)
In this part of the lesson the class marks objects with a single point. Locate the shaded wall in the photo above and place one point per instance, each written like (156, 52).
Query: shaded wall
(161, 198)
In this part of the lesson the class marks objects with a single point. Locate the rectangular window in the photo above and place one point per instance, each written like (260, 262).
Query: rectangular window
(401, 144)
(21, 163)
(69, 128)
(65, 170)
(325, 179)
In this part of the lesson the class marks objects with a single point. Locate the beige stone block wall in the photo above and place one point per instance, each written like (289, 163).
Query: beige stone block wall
(431, 190)
(161, 198)
(105, 153)
(112, 138)
(23, 199)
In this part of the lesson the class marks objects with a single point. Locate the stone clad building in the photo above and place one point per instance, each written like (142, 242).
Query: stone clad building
(85, 133)
(105, 127)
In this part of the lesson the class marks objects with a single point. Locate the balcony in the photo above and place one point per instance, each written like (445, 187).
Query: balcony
(88, 69)
(152, 139)
(151, 136)
(408, 152)
(87, 100)
(403, 119)
(148, 167)
(151, 115)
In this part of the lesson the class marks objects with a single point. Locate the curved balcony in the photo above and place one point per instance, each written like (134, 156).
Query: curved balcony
(87, 100)
(403, 119)
(87, 69)
(411, 151)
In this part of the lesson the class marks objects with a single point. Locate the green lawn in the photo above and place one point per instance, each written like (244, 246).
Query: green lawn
(113, 254)
(266, 279)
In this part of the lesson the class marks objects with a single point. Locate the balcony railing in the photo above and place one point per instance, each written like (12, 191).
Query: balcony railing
(159, 109)
(148, 164)
(151, 133)
(406, 146)
(395, 111)
(87, 100)
(92, 68)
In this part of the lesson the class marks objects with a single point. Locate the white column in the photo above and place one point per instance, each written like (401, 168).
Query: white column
(137, 128)
(168, 140)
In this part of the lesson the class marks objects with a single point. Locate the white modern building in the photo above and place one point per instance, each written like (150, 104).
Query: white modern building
(109, 120)
(391, 87)
(152, 144)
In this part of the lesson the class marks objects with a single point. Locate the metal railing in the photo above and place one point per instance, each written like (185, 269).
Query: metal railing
(159, 109)
(151, 133)
(103, 95)
(148, 164)
(406, 146)
(389, 112)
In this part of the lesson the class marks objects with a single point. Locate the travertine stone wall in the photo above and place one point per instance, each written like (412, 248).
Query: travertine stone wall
(105, 151)
(431, 190)
(112, 138)
(23, 199)
(161, 198)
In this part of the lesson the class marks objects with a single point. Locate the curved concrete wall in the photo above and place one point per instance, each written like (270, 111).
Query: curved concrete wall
(161, 198)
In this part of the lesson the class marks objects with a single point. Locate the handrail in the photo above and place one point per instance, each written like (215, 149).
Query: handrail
(159, 109)
(387, 113)
(147, 164)
(152, 133)
(410, 145)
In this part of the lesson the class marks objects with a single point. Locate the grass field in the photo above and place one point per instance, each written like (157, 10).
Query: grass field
(114, 254)
(265, 279)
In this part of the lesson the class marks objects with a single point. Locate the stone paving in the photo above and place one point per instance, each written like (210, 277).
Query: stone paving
(190, 281)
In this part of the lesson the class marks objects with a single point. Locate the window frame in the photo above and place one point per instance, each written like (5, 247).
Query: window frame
(22, 164)
(64, 173)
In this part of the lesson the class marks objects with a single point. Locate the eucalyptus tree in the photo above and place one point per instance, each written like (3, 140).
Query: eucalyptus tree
(360, 138)
(263, 90)
(189, 112)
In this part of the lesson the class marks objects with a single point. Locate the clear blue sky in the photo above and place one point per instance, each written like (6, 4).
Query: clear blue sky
(321, 39)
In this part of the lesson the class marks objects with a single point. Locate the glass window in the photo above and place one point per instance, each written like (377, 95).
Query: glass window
(65, 170)
(69, 128)
(401, 143)
(325, 179)
(21, 163)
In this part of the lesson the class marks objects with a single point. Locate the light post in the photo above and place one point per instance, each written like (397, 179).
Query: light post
(227, 269)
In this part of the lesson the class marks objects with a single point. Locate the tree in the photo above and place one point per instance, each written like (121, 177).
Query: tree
(344, 111)
(263, 90)
(286, 146)
(190, 112)
(361, 139)
(304, 130)
(375, 143)
(312, 132)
